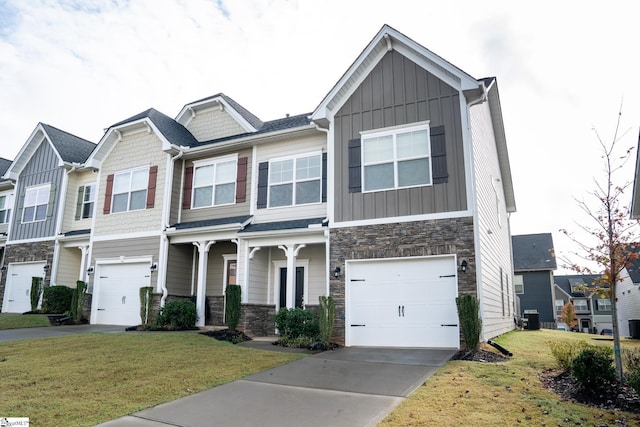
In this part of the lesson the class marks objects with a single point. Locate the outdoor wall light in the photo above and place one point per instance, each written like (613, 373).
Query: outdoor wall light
(463, 266)
(90, 271)
(46, 268)
(4, 268)
(153, 267)
(336, 272)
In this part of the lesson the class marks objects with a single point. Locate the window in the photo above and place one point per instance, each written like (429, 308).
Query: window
(603, 304)
(6, 203)
(36, 202)
(295, 181)
(214, 184)
(396, 158)
(518, 283)
(130, 190)
(87, 195)
(580, 305)
(559, 305)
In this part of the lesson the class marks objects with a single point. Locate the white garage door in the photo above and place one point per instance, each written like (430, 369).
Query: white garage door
(402, 303)
(117, 292)
(18, 289)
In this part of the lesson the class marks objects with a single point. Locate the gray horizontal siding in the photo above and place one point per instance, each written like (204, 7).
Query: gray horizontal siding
(399, 92)
(138, 247)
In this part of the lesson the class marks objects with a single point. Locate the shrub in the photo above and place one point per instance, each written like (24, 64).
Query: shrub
(177, 315)
(36, 292)
(146, 299)
(633, 378)
(565, 352)
(468, 313)
(631, 358)
(233, 306)
(57, 299)
(592, 369)
(326, 313)
(77, 300)
(295, 323)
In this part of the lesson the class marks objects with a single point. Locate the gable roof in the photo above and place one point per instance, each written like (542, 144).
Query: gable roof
(566, 283)
(4, 166)
(533, 252)
(246, 119)
(70, 149)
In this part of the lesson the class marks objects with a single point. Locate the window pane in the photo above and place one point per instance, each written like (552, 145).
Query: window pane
(378, 177)
(412, 144)
(138, 200)
(121, 183)
(3, 200)
(30, 197)
(43, 195)
(281, 171)
(41, 212)
(281, 195)
(87, 210)
(413, 172)
(226, 172)
(3, 217)
(203, 176)
(307, 192)
(308, 167)
(28, 213)
(378, 149)
(139, 179)
(202, 197)
(89, 193)
(225, 194)
(120, 202)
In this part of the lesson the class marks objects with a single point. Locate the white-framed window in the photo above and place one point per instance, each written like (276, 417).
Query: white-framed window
(88, 201)
(36, 202)
(518, 283)
(580, 305)
(604, 304)
(295, 180)
(6, 203)
(559, 305)
(396, 157)
(214, 182)
(130, 190)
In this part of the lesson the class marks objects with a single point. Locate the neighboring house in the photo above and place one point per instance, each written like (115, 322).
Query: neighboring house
(593, 312)
(628, 298)
(6, 209)
(534, 261)
(393, 196)
(44, 172)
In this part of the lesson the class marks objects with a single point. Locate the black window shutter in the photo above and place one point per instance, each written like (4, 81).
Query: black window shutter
(355, 175)
(263, 184)
(324, 177)
(438, 155)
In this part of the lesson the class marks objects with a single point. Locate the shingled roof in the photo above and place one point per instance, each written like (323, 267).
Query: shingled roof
(533, 252)
(72, 149)
(171, 129)
(4, 167)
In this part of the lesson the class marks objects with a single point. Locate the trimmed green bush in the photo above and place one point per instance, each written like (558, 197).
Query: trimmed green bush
(77, 301)
(565, 352)
(294, 323)
(146, 301)
(470, 323)
(36, 292)
(233, 306)
(177, 315)
(326, 314)
(593, 369)
(57, 299)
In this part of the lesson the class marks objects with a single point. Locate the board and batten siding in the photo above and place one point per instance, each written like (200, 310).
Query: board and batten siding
(495, 289)
(224, 211)
(399, 92)
(137, 149)
(213, 123)
(290, 148)
(41, 169)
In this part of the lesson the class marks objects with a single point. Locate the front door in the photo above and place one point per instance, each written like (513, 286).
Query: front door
(299, 287)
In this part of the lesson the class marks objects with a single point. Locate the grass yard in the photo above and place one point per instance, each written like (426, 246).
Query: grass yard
(16, 321)
(508, 393)
(86, 379)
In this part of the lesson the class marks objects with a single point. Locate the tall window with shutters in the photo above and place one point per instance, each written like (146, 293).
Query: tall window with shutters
(130, 190)
(86, 201)
(396, 157)
(295, 180)
(36, 203)
(214, 182)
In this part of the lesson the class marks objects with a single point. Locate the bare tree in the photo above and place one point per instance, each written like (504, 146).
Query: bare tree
(614, 233)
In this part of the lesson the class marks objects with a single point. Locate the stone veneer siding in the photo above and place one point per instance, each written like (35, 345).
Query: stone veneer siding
(396, 240)
(257, 320)
(28, 252)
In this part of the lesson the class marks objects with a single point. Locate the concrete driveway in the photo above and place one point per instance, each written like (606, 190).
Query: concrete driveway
(347, 387)
(55, 331)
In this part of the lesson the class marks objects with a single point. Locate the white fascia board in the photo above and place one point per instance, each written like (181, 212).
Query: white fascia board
(111, 137)
(220, 232)
(285, 237)
(138, 235)
(189, 112)
(397, 219)
(30, 146)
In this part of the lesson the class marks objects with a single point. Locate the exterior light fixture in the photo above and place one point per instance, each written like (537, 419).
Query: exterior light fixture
(463, 266)
(4, 268)
(46, 268)
(153, 267)
(90, 271)
(336, 272)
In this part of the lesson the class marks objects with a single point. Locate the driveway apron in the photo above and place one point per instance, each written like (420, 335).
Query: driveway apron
(346, 387)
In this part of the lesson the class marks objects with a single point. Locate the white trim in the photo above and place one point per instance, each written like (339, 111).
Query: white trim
(106, 238)
(406, 218)
(393, 130)
(214, 162)
(130, 171)
(36, 239)
(37, 188)
(279, 264)
(189, 108)
(225, 274)
(294, 180)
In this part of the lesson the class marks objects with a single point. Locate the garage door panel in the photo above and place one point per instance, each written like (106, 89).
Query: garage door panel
(403, 303)
(18, 286)
(118, 293)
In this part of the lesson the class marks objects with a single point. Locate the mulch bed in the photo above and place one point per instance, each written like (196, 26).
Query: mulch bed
(479, 355)
(227, 335)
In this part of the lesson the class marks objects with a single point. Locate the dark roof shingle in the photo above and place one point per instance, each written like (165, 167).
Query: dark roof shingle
(171, 129)
(71, 148)
(533, 252)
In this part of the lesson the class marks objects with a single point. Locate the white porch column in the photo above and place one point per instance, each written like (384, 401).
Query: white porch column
(83, 263)
(291, 252)
(203, 258)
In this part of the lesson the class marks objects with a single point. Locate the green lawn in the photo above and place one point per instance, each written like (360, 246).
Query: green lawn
(86, 379)
(503, 394)
(16, 321)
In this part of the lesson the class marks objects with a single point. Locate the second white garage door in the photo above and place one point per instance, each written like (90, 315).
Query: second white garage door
(407, 302)
(17, 292)
(117, 292)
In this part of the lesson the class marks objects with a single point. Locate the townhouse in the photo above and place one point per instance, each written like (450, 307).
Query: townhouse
(393, 196)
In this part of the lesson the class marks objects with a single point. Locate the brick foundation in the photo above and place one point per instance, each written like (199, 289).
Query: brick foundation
(257, 320)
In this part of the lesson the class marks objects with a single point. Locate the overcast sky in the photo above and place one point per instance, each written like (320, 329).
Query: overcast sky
(563, 69)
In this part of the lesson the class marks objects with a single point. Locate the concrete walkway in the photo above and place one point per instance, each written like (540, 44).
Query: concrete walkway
(347, 387)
